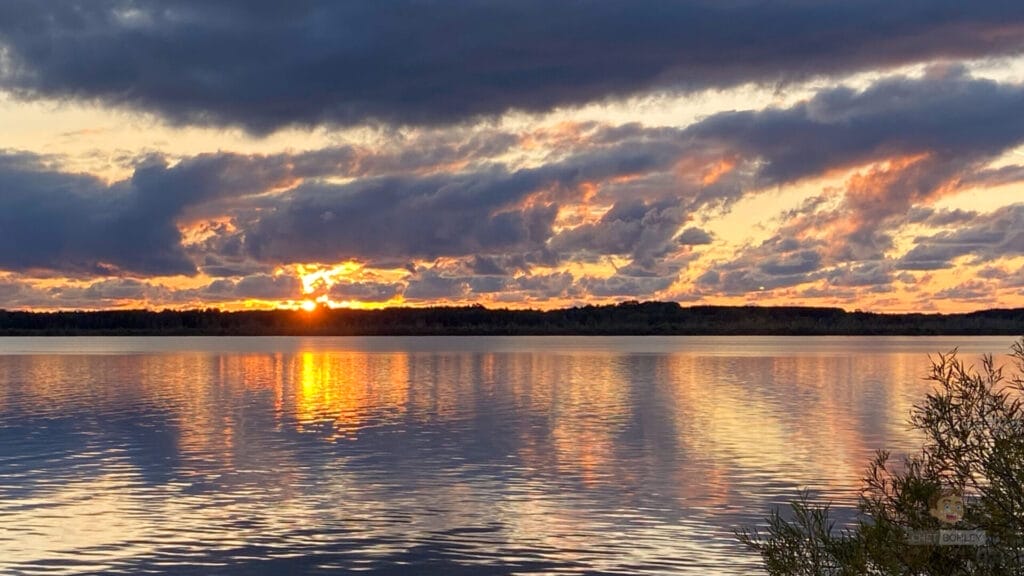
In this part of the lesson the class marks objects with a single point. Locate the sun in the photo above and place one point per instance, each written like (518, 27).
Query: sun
(308, 305)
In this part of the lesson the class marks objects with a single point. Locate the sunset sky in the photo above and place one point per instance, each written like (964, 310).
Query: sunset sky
(511, 153)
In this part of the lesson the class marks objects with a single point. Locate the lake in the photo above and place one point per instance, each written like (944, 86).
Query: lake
(437, 455)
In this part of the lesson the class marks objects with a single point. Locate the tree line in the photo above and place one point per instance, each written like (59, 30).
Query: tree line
(627, 318)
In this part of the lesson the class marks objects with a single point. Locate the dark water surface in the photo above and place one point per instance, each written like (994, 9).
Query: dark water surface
(525, 455)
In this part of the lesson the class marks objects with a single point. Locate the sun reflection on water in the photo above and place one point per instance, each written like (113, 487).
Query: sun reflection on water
(344, 390)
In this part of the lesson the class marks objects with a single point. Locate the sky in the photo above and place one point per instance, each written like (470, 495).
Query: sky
(511, 153)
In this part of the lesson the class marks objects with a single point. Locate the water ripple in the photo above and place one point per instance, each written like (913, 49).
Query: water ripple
(428, 456)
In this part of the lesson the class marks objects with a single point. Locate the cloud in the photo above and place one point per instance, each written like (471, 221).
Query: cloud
(995, 177)
(268, 287)
(487, 284)
(264, 65)
(366, 291)
(488, 266)
(912, 141)
(435, 285)
(77, 224)
(53, 220)
(865, 274)
(402, 217)
(11, 292)
(625, 286)
(258, 286)
(800, 262)
(637, 228)
(934, 218)
(710, 278)
(1008, 278)
(694, 237)
(627, 191)
(103, 293)
(779, 261)
(1014, 279)
(971, 290)
(987, 237)
(545, 286)
(951, 116)
(489, 211)
(744, 281)
(122, 289)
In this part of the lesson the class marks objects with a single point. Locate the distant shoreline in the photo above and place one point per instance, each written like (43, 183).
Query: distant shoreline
(625, 319)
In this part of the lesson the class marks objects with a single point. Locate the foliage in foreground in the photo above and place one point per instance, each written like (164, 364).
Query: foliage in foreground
(973, 424)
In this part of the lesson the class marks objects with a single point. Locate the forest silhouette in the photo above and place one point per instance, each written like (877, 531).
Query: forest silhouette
(626, 318)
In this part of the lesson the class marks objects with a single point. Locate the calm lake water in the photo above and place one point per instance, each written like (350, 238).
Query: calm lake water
(461, 456)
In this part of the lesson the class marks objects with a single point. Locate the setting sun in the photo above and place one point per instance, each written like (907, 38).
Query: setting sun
(308, 305)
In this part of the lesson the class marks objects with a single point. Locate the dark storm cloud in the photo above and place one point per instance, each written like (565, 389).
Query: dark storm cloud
(264, 65)
(77, 224)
